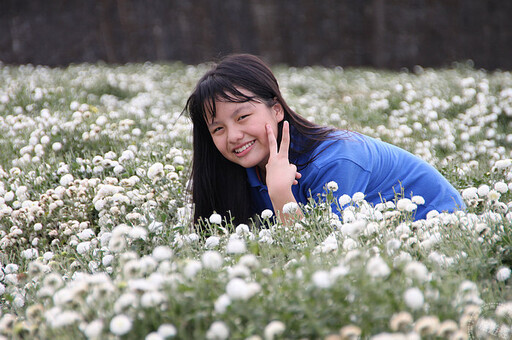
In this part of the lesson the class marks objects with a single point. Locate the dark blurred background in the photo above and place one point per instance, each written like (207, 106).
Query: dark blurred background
(377, 33)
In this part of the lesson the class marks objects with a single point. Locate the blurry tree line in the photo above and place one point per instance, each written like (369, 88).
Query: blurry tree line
(378, 33)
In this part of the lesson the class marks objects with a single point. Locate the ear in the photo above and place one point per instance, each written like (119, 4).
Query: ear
(279, 112)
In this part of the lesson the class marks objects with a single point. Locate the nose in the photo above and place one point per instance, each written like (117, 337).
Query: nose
(234, 135)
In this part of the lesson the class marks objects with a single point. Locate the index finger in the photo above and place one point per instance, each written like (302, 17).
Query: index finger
(285, 139)
(272, 142)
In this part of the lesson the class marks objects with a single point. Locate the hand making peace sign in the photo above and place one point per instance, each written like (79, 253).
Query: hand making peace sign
(280, 174)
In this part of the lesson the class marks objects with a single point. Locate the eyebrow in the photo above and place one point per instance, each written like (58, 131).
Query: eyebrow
(237, 111)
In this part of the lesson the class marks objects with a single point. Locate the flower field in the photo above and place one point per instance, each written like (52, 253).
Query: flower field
(95, 237)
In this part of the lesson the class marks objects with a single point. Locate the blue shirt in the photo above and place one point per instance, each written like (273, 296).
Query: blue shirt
(358, 163)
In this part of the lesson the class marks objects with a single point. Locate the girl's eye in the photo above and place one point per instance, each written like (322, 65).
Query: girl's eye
(216, 130)
(243, 117)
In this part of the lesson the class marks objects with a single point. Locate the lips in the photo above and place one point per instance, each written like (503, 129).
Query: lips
(244, 147)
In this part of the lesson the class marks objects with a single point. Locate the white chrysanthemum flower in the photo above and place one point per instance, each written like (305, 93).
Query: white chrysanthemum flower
(290, 208)
(249, 261)
(152, 299)
(503, 274)
(212, 242)
(470, 193)
(416, 270)
(222, 303)
(413, 298)
(120, 324)
(215, 218)
(419, 200)
(56, 146)
(483, 190)
(332, 186)
(212, 260)
(403, 203)
(85, 234)
(30, 253)
(236, 246)
(344, 200)
(238, 289)
(192, 268)
(66, 180)
(217, 331)
(501, 187)
(93, 329)
(493, 195)
(242, 229)
(377, 267)
(322, 279)
(358, 197)
(83, 247)
(155, 171)
(267, 213)
(154, 336)
(65, 318)
(273, 329)
(503, 163)
(167, 330)
(162, 253)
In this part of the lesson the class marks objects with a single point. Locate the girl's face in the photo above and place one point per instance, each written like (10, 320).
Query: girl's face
(238, 130)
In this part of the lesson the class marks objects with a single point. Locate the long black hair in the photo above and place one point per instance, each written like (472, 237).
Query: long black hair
(218, 184)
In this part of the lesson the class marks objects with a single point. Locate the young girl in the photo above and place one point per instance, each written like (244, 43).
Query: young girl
(252, 152)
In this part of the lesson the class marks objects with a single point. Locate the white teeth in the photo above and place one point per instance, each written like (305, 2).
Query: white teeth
(244, 147)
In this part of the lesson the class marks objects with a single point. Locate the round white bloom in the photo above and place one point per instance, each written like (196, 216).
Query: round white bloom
(120, 324)
(242, 229)
(413, 298)
(94, 329)
(236, 246)
(503, 274)
(419, 200)
(9, 196)
(377, 267)
(267, 213)
(212, 242)
(322, 279)
(56, 146)
(85, 234)
(192, 267)
(290, 208)
(416, 270)
(162, 253)
(167, 330)
(238, 289)
(493, 195)
(403, 203)
(483, 190)
(344, 200)
(2, 289)
(503, 163)
(273, 329)
(212, 260)
(30, 253)
(332, 186)
(222, 303)
(501, 187)
(66, 179)
(155, 171)
(217, 331)
(470, 193)
(154, 336)
(215, 218)
(358, 197)
(83, 247)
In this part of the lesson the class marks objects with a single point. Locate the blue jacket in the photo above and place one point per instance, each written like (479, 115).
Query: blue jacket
(358, 163)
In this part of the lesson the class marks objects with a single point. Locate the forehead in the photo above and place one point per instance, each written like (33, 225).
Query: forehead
(226, 109)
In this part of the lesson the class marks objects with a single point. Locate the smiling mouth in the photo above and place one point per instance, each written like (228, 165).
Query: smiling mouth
(245, 147)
